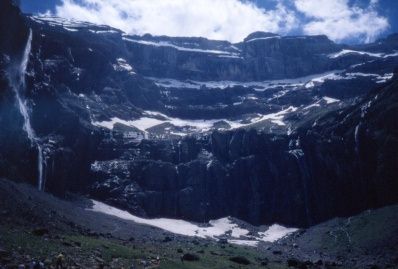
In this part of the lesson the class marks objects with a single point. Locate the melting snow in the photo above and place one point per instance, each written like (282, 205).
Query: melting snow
(276, 118)
(250, 243)
(71, 29)
(347, 76)
(347, 51)
(122, 65)
(384, 78)
(321, 79)
(103, 31)
(170, 45)
(142, 123)
(73, 25)
(276, 232)
(215, 228)
(152, 119)
(263, 38)
(330, 100)
(311, 106)
(259, 85)
(67, 24)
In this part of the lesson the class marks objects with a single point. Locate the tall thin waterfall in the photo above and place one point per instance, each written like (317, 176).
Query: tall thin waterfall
(18, 83)
(305, 176)
(40, 167)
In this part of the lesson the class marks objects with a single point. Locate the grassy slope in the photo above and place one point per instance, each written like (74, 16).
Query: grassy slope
(90, 251)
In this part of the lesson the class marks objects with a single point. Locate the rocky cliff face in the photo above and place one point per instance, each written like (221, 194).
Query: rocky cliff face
(324, 169)
(259, 57)
(14, 149)
(272, 129)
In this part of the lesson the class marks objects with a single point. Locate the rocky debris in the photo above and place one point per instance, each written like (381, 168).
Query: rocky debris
(40, 231)
(240, 260)
(277, 252)
(5, 256)
(4, 253)
(167, 239)
(297, 264)
(190, 257)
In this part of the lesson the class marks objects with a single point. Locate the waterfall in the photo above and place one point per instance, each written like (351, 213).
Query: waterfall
(40, 167)
(298, 154)
(23, 109)
(18, 83)
(179, 151)
(356, 137)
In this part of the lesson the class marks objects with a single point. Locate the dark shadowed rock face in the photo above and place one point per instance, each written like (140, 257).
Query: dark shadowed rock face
(301, 179)
(216, 143)
(15, 150)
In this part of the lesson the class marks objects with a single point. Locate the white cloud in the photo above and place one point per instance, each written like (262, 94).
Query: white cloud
(232, 20)
(229, 20)
(340, 21)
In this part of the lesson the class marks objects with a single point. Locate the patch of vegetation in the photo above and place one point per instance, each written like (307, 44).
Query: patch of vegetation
(88, 251)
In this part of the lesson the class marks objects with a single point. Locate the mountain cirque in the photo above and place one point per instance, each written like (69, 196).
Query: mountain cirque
(294, 130)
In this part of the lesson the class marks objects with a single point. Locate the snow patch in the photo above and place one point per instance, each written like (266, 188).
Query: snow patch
(330, 100)
(321, 79)
(311, 106)
(142, 123)
(345, 52)
(122, 65)
(384, 78)
(276, 232)
(153, 118)
(263, 38)
(71, 29)
(213, 230)
(170, 45)
(104, 31)
(258, 85)
(240, 242)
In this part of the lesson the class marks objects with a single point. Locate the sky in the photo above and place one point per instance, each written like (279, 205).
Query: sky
(343, 21)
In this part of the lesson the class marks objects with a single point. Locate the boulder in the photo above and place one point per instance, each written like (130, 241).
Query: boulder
(240, 260)
(190, 257)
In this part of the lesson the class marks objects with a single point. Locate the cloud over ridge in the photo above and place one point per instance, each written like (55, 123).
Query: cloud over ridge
(231, 20)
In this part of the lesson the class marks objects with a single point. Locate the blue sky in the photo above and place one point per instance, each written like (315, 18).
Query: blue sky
(344, 21)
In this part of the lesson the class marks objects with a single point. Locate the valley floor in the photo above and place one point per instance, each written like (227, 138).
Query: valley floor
(39, 226)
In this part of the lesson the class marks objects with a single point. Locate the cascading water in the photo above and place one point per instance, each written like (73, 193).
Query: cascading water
(18, 84)
(305, 174)
(40, 167)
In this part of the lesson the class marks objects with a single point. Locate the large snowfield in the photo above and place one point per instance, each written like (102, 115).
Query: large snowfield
(214, 229)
